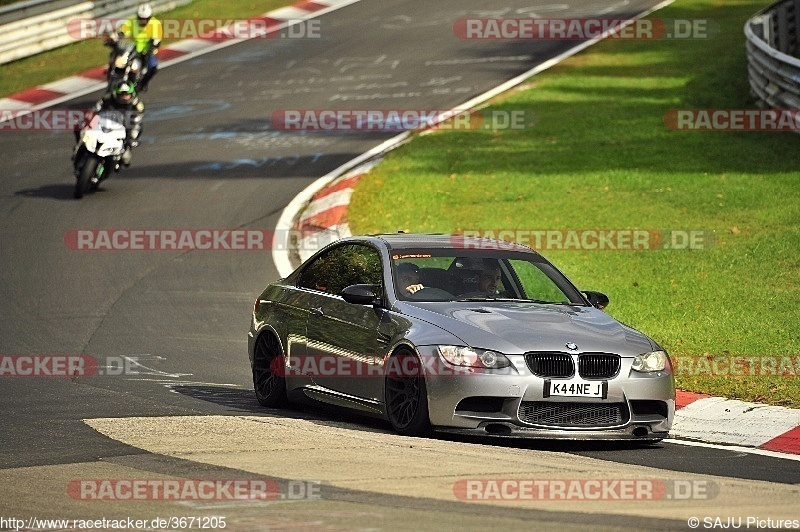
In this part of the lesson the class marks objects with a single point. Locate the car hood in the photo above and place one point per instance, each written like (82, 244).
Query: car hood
(519, 327)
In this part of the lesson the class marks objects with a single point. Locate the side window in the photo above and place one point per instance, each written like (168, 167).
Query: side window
(536, 284)
(342, 266)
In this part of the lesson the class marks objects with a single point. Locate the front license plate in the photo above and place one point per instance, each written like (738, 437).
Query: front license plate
(576, 388)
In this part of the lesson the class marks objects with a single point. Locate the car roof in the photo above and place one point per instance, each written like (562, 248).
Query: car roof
(443, 241)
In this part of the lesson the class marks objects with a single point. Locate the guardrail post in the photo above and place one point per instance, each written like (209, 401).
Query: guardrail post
(796, 5)
(782, 40)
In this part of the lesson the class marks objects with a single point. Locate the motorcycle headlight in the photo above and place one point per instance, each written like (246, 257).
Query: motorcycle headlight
(653, 361)
(136, 65)
(473, 358)
(120, 61)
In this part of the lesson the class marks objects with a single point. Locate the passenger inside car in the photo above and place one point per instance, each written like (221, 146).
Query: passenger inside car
(479, 277)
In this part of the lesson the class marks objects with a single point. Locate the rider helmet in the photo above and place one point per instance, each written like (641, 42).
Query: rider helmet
(144, 12)
(123, 92)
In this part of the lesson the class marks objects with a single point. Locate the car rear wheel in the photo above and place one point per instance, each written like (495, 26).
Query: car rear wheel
(406, 395)
(268, 380)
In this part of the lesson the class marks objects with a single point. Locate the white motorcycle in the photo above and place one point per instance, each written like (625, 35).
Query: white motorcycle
(100, 149)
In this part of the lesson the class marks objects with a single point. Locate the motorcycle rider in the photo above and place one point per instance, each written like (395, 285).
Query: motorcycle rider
(123, 99)
(146, 32)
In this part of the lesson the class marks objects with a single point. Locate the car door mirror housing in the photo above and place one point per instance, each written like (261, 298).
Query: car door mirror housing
(597, 299)
(361, 294)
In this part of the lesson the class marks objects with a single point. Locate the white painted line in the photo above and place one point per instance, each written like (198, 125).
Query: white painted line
(735, 448)
(191, 45)
(10, 104)
(70, 84)
(333, 3)
(172, 384)
(289, 13)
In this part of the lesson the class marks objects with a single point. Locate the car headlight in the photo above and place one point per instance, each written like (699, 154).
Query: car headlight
(653, 361)
(473, 358)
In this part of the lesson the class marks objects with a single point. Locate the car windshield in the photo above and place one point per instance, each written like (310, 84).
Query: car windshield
(479, 275)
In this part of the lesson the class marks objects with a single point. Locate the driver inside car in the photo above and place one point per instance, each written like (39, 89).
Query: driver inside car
(408, 277)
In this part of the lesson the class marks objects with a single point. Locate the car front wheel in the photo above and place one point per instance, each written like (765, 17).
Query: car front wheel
(406, 395)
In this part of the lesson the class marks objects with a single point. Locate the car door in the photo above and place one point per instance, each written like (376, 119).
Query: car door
(344, 344)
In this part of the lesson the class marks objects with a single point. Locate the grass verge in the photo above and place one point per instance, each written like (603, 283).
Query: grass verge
(80, 56)
(600, 157)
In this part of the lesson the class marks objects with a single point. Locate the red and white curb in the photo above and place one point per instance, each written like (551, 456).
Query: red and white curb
(94, 79)
(714, 419)
(324, 219)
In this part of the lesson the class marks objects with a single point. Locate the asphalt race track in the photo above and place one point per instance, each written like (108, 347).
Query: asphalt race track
(172, 397)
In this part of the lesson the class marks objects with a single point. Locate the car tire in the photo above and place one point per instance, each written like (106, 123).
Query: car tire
(268, 376)
(406, 395)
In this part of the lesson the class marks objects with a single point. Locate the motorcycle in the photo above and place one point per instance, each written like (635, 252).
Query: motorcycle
(125, 62)
(100, 148)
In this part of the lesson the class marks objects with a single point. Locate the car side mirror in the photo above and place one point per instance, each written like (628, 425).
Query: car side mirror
(361, 294)
(597, 299)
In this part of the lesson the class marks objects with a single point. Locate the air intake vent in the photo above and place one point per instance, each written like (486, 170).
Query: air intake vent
(573, 414)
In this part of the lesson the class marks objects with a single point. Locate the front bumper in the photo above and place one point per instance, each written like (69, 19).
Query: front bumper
(481, 402)
(640, 432)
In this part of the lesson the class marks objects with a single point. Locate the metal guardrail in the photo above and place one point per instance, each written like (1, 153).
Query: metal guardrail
(29, 8)
(773, 46)
(34, 26)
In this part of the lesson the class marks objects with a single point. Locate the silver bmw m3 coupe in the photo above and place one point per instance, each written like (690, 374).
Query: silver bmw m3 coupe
(457, 334)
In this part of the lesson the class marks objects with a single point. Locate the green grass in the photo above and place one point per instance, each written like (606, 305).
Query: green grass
(80, 56)
(600, 157)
